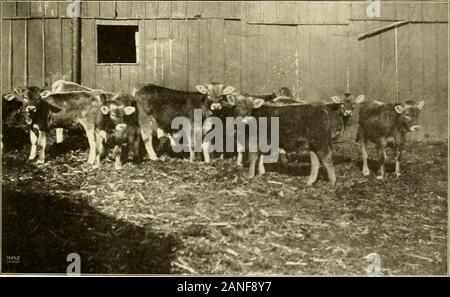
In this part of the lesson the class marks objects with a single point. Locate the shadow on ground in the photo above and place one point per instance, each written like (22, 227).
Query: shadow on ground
(43, 229)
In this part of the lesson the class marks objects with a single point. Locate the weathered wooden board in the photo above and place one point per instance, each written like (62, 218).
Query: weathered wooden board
(53, 45)
(193, 47)
(18, 50)
(5, 57)
(88, 53)
(233, 60)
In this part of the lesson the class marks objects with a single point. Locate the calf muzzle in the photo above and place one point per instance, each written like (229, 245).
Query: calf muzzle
(120, 127)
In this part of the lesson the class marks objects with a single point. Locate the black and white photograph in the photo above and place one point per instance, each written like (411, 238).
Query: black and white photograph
(224, 138)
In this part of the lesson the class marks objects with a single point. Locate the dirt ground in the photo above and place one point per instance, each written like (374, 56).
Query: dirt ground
(173, 216)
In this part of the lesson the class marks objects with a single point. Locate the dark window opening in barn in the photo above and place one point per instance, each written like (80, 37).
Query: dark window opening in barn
(116, 44)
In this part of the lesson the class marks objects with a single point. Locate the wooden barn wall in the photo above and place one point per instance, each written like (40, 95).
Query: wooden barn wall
(255, 46)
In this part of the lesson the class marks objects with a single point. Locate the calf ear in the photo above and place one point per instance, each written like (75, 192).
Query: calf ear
(257, 103)
(45, 94)
(359, 99)
(420, 105)
(104, 109)
(18, 91)
(9, 97)
(228, 90)
(398, 108)
(129, 110)
(202, 89)
(336, 99)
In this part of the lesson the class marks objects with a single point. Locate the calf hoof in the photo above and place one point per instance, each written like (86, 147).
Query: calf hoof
(309, 183)
(40, 161)
(239, 164)
(366, 172)
(95, 166)
(380, 177)
(118, 167)
(153, 158)
(397, 174)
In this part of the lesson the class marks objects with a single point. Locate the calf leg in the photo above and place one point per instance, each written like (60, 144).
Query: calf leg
(100, 139)
(91, 139)
(315, 165)
(147, 137)
(253, 157)
(205, 149)
(239, 159)
(42, 143)
(192, 142)
(398, 156)
(365, 170)
(117, 155)
(59, 135)
(33, 140)
(261, 169)
(240, 155)
(381, 145)
(327, 160)
(136, 146)
(90, 134)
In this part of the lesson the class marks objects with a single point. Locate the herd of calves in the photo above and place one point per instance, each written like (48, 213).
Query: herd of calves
(128, 120)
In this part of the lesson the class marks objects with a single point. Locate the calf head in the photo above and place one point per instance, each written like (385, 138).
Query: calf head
(242, 106)
(408, 114)
(116, 113)
(214, 93)
(337, 124)
(347, 104)
(32, 101)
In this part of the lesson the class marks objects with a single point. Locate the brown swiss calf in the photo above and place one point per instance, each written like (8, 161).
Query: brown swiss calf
(386, 124)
